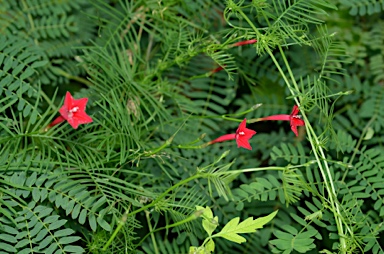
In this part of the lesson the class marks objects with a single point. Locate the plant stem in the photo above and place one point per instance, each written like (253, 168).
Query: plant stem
(315, 144)
(322, 163)
(356, 149)
(69, 76)
(150, 230)
(153, 203)
(194, 216)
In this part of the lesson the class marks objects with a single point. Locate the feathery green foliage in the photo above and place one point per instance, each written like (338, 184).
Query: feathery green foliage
(162, 79)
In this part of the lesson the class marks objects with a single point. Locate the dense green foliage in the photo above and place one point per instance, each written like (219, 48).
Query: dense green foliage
(141, 178)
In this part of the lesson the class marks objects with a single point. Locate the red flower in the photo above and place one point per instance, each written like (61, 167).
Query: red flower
(73, 111)
(242, 136)
(241, 43)
(294, 119)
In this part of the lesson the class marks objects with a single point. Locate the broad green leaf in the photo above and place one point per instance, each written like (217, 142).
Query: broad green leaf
(209, 223)
(197, 250)
(210, 246)
(233, 228)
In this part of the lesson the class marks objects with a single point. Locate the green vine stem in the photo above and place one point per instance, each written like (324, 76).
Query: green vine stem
(312, 137)
(194, 216)
(150, 230)
(153, 203)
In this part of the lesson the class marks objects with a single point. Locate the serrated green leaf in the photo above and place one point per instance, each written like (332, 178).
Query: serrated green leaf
(210, 246)
(233, 227)
(210, 225)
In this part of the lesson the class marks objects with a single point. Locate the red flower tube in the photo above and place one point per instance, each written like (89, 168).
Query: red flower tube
(294, 119)
(241, 136)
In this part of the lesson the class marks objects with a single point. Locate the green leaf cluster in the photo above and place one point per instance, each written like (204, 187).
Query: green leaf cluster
(143, 177)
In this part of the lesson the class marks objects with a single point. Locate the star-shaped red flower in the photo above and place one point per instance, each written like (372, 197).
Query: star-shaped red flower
(294, 119)
(242, 136)
(73, 111)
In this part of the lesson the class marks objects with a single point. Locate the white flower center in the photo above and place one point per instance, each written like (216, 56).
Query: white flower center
(75, 109)
(242, 133)
(71, 111)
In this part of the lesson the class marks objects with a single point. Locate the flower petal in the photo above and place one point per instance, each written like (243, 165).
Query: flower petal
(297, 121)
(68, 101)
(80, 103)
(242, 126)
(295, 110)
(294, 129)
(64, 111)
(82, 117)
(242, 142)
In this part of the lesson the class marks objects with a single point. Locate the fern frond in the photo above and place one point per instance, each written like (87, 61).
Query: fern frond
(362, 7)
(290, 153)
(293, 17)
(38, 226)
(371, 108)
(19, 61)
(47, 7)
(331, 53)
(376, 64)
(54, 27)
(290, 239)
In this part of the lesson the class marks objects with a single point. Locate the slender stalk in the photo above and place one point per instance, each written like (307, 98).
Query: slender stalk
(356, 149)
(153, 203)
(315, 144)
(194, 216)
(322, 163)
(150, 230)
(69, 76)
